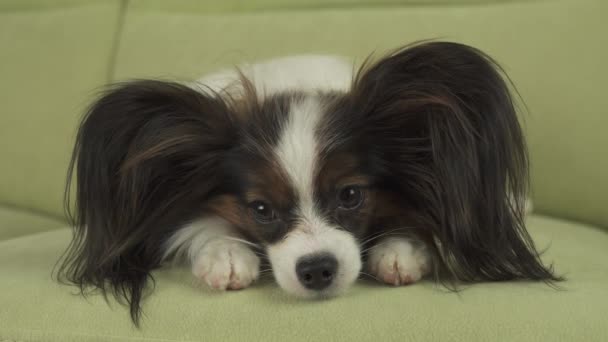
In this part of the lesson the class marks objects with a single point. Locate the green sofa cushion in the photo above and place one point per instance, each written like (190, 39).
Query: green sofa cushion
(555, 52)
(37, 5)
(34, 308)
(259, 5)
(52, 59)
(16, 222)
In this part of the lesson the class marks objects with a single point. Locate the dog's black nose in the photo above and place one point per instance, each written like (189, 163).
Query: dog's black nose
(316, 271)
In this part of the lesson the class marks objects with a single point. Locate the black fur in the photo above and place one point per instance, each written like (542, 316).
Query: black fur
(435, 122)
(146, 158)
(441, 119)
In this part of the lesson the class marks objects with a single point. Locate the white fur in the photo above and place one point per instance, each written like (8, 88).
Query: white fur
(219, 257)
(297, 153)
(224, 263)
(304, 72)
(397, 261)
(215, 257)
(300, 242)
(297, 148)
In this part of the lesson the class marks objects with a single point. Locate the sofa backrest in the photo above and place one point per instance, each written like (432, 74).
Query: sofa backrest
(53, 57)
(56, 57)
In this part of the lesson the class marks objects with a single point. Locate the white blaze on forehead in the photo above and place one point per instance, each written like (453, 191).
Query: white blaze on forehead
(297, 154)
(297, 150)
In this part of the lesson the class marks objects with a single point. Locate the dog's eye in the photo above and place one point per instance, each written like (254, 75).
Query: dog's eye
(350, 197)
(262, 212)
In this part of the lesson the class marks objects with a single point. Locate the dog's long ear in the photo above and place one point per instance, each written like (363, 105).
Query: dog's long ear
(146, 159)
(442, 119)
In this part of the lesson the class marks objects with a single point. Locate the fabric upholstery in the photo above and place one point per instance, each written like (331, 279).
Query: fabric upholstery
(260, 5)
(52, 60)
(557, 66)
(15, 222)
(34, 308)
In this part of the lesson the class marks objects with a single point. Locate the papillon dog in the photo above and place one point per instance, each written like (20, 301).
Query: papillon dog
(412, 165)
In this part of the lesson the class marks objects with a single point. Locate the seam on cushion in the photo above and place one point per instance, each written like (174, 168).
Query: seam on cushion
(13, 238)
(32, 211)
(54, 230)
(549, 216)
(569, 218)
(120, 23)
(277, 8)
(37, 335)
(42, 7)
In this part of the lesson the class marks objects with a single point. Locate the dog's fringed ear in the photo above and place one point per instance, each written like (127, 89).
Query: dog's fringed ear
(442, 119)
(146, 158)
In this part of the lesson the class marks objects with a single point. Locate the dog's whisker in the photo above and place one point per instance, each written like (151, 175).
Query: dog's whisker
(363, 252)
(369, 275)
(391, 235)
(249, 243)
(382, 234)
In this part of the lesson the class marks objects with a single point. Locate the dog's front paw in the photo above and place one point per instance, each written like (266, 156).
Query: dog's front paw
(398, 261)
(223, 264)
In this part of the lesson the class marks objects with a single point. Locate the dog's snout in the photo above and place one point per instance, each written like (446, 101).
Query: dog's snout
(316, 272)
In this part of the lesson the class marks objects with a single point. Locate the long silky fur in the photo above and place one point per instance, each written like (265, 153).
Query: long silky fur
(146, 159)
(438, 119)
(442, 119)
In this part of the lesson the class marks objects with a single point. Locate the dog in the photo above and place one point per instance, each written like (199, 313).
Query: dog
(412, 165)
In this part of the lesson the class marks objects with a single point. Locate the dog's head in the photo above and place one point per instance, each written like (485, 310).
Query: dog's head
(303, 190)
(427, 137)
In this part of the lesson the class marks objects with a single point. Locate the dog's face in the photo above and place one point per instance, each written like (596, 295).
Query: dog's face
(307, 198)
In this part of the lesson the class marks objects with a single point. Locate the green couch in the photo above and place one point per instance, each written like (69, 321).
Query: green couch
(55, 56)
